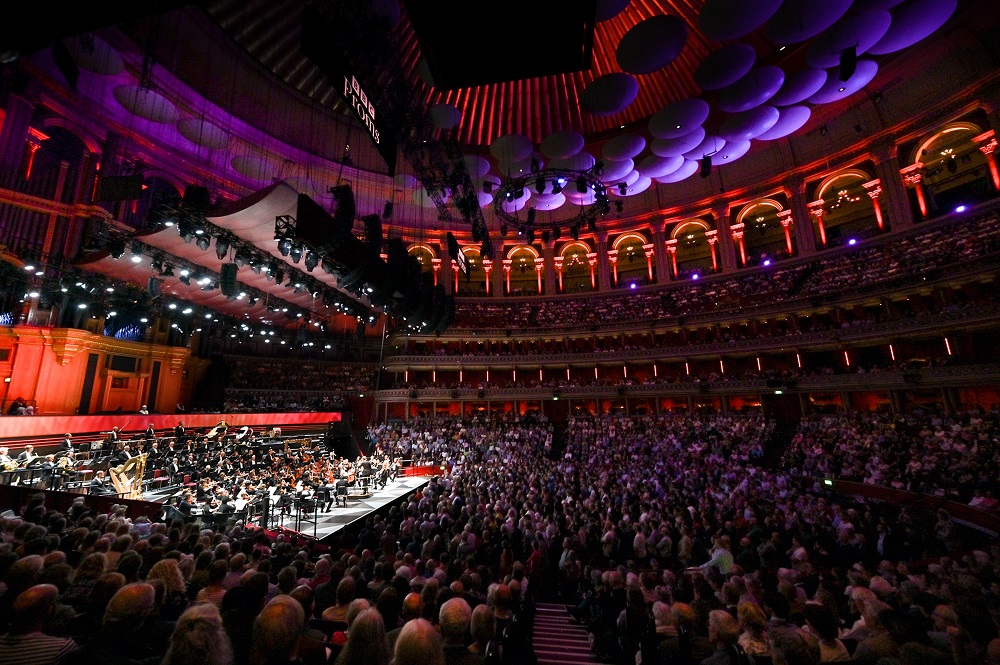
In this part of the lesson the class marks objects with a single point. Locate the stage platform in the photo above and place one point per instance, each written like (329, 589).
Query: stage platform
(358, 507)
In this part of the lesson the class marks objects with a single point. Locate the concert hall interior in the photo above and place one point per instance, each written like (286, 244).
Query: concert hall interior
(605, 331)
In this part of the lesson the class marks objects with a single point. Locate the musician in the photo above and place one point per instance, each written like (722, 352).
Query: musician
(154, 454)
(5, 458)
(123, 455)
(174, 471)
(66, 444)
(179, 432)
(114, 436)
(99, 484)
(27, 456)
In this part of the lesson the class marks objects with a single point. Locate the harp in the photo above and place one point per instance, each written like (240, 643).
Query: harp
(127, 477)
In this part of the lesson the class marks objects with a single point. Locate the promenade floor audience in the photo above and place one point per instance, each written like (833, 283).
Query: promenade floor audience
(664, 535)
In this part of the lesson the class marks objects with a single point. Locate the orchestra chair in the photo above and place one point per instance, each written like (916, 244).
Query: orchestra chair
(341, 492)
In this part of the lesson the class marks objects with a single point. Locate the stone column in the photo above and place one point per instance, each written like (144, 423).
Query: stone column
(987, 145)
(712, 238)
(549, 267)
(660, 257)
(727, 249)
(893, 200)
(874, 190)
(603, 267)
(805, 238)
(913, 178)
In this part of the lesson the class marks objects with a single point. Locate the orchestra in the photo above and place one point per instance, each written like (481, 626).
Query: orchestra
(216, 471)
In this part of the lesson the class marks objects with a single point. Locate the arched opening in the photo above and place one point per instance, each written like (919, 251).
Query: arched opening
(955, 171)
(764, 237)
(694, 251)
(523, 279)
(577, 272)
(848, 213)
(631, 266)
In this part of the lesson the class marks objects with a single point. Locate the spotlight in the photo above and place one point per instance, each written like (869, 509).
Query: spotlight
(284, 246)
(581, 185)
(327, 266)
(487, 187)
(157, 265)
(203, 242)
(706, 166)
(185, 279)
(295, 253)
(241, 258)
(540, 185)
(312, 260)
(519, 193)
(619, 206)
(503, 230)
(557, 185)
(221, 247)
(116, 246)
(531, 215)
(622, 188)
(168, 271)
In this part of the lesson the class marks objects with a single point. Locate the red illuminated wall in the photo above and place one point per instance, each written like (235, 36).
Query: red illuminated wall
(48, 368)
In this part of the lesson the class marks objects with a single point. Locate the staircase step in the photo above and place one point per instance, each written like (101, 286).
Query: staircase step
(558, 639)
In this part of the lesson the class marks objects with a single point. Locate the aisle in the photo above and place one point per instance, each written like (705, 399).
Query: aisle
(558, 639)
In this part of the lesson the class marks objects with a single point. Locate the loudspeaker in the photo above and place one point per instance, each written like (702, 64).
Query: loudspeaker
(153, 286)
(119, 188)
(848, 62)
(706, 166)
(452, 246)
(197, 197)
(227, 280)
(343, 215)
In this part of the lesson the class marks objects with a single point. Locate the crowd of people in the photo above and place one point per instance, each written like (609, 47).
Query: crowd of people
(665, 535)
(878, 264)
(956, 455)
(252, 372)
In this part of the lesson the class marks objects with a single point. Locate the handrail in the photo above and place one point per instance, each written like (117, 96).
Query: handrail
(988, 522)
(863, 333)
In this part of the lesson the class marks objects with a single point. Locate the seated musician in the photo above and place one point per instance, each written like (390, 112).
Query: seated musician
(7, 462)
(66, 444)
(27, 455)
(99, 484)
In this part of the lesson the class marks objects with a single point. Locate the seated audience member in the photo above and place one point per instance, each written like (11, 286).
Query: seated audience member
(276, 632)
(367, 643)
(25, 642)
(418, 644)
(199, 638)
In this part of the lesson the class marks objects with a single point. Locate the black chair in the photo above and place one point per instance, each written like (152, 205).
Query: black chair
(341, 492)
(328, 628)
